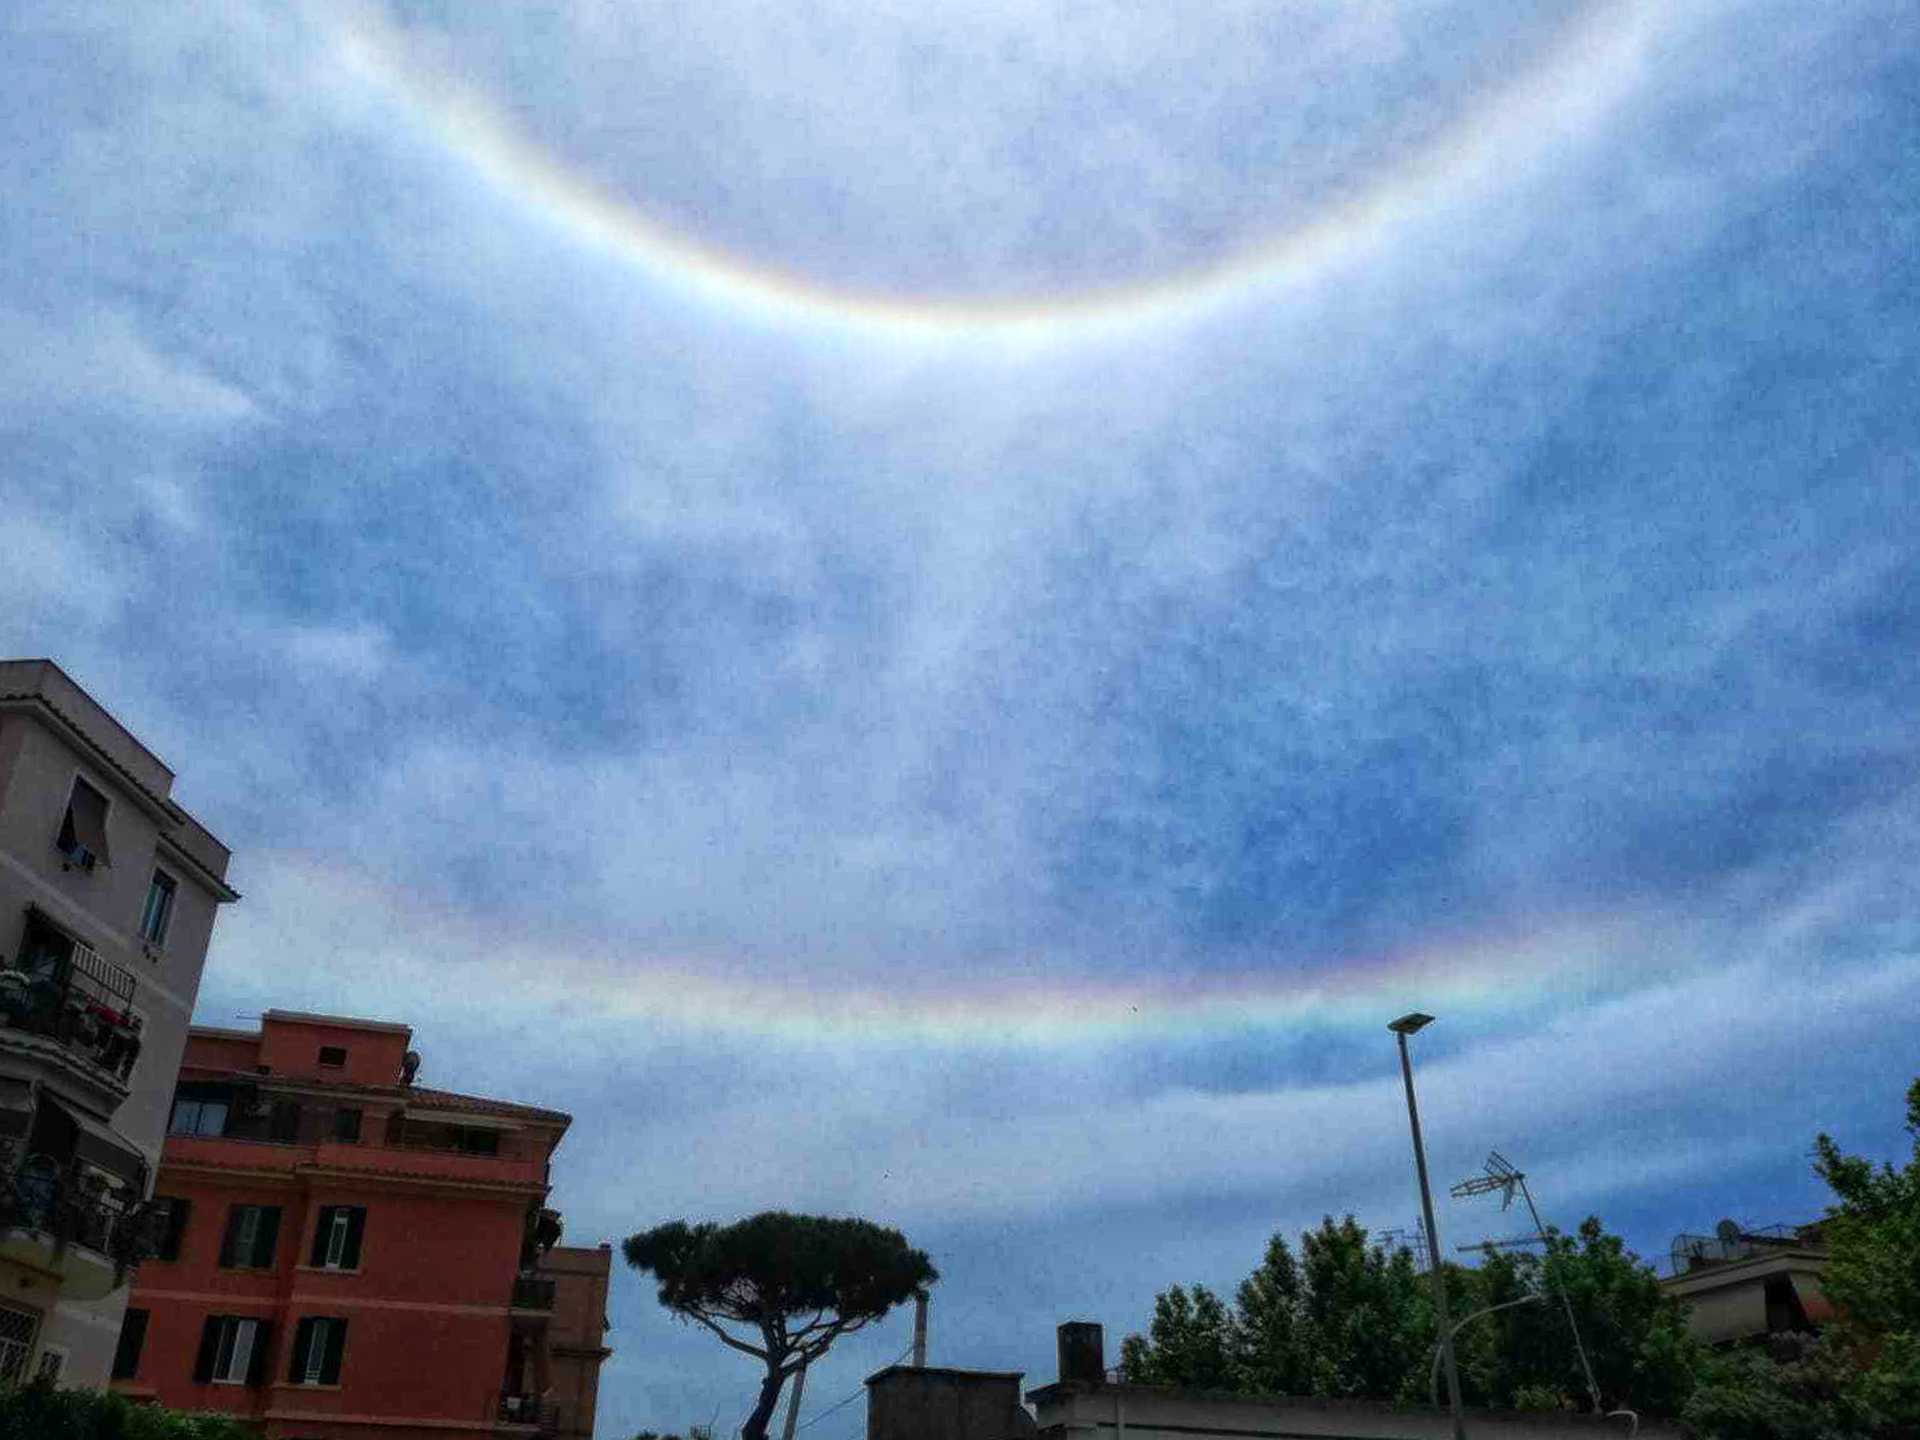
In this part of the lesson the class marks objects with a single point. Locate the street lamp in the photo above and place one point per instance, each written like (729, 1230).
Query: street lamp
(1403, 1027)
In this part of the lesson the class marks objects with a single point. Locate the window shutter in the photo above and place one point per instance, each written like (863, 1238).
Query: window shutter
(87, 820)
(209, 1347)
(229, 1240)
(269, 1236)
(257, 1362)
(336, 1346)
(133, 1338)
(321, 1228)
(302, 1338)
(356, 1225)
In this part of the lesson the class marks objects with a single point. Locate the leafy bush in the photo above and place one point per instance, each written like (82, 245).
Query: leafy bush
(39, 1412)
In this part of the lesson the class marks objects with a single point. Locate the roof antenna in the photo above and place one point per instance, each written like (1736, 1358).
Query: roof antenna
(1501, 1176)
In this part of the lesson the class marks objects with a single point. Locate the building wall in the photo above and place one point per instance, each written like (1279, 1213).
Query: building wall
(576, 1332)
(936, 1403)
(429, 1307)
(51, 731)
(1152, 1413)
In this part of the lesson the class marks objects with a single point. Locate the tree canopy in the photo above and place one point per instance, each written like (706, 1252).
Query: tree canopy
(1352, 1317)
(780, 1287)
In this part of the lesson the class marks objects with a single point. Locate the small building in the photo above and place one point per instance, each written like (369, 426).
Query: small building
(349, 1254)
(108, 896)
(1741, 1284)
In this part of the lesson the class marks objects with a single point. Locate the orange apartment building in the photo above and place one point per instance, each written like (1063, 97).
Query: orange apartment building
(347, 1255)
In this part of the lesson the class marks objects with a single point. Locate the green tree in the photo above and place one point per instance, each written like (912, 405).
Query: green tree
(1635, 1337)
(779, 1287)
(1188, 1343)
(1872, 1231)
(1795, 1388)
(1346, 1319)
(1368, 1326)
(1267, 1341)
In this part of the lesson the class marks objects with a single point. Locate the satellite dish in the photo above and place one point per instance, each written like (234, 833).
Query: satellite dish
(1728, 1232)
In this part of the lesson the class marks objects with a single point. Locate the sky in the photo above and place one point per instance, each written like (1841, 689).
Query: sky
(938, 612)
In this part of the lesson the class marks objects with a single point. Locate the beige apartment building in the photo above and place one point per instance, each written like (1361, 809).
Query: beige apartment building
(108, 895)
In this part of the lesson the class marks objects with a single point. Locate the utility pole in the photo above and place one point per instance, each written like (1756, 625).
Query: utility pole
(1408, 1025)
(793, 1405)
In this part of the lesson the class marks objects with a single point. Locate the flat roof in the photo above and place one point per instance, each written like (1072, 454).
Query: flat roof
(344, 1022)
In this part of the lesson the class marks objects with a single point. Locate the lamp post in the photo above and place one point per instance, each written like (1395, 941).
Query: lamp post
(1403, 1027)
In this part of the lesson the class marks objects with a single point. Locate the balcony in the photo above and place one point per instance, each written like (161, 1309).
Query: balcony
(66, 993)
(531, 1292)
(540, 1417)
(80, 1230)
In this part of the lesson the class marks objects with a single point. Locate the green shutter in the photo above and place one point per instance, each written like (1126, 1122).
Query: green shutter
(133, 1336)
(302, 1338)
(336, 1347)
(209, 1348)
(356, 1226)
(268, 1237)
(320, 1230)
(257, 1362)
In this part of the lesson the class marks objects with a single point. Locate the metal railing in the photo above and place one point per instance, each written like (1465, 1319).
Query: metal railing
(544, 1415)
(68, 992)
(255, 1116)
(39, 1195)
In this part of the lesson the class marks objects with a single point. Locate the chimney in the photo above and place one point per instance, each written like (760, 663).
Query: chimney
(1083, 1352)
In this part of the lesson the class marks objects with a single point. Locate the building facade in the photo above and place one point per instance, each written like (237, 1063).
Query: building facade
(1740, 1284)
(576, 1333)
(348, 1253)
(108, 896)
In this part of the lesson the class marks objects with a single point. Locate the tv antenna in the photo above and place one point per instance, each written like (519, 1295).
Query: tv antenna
(1499, 1174)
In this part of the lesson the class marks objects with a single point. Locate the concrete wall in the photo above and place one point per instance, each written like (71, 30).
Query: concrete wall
(904, 1403)
(1146, 1412)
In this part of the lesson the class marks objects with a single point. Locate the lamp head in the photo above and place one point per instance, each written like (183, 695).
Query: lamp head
(1410, 1024)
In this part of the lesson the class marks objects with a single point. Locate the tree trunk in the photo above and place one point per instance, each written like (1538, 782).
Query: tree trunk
(756, 1426)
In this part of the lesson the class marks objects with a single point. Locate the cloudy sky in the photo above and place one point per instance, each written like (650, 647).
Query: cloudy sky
(937, 612)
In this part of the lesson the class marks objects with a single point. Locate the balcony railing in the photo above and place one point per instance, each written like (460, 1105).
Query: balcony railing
(69, 993)
(258, 1116)
(37, 1195)
(544, 1415)
(531, 1292)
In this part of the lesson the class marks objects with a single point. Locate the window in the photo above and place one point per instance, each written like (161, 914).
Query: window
(18, 1326)
(233, 1351)
(159, 908)
(336, 1237)
(172, 1226)
(346, 1125)
(318, 1344)
(198, 1117)
(333, 1056)
(478, 1142)
(133, 1339)
(83, 831)
(252, 1233)
(53, 1359)
(284, 1122)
